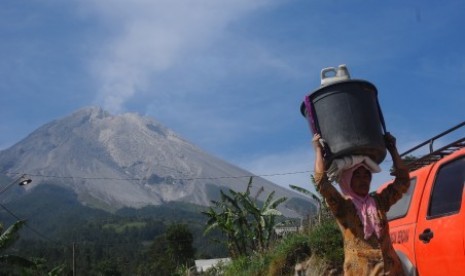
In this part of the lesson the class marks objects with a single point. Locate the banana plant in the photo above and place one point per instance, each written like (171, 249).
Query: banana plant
(7, 238)
(269, 213)
(247, 225)
(222, 217)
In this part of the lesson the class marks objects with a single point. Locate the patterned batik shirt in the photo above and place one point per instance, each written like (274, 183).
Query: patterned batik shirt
(374, 256)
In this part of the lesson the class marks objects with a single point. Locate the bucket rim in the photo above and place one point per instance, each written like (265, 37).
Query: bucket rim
(336, 83)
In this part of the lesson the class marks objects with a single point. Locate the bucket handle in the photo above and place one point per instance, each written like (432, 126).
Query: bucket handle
(313, 122)
(381, 117)
(311, 116)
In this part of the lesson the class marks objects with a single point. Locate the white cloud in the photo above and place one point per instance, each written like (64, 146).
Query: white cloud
(152, 36)
(292, 167)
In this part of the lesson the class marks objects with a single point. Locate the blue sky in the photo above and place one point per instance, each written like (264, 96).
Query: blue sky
(229, 76)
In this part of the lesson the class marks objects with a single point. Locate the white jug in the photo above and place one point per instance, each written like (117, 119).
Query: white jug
(331, 74)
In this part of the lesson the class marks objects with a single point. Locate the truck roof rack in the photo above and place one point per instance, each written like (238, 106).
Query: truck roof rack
(434, 155)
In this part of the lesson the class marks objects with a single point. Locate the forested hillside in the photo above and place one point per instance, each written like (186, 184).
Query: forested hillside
(97, 242)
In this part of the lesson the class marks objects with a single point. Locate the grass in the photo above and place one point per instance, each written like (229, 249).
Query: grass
(320, 249)
(279, 260)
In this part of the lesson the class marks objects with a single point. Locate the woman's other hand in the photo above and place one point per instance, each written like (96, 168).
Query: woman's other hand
(390, 142)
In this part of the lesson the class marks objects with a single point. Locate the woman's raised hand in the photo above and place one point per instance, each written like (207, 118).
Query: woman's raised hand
(390, 141)
(316, 141)
(318, 147)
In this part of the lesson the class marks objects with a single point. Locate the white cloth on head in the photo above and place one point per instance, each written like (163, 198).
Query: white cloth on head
(341, 164)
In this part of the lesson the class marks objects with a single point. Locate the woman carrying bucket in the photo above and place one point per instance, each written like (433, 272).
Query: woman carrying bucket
(362, 217)
(346, 113)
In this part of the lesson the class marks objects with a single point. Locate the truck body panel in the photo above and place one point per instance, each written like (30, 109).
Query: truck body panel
(427, 226)
(439, 237)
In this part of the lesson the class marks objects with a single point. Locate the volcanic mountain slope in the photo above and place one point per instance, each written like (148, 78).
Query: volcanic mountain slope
(127, 160)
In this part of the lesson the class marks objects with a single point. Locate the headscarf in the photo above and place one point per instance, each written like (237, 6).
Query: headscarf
(366, 206)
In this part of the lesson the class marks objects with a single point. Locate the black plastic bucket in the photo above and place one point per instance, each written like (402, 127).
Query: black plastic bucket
(348, 117)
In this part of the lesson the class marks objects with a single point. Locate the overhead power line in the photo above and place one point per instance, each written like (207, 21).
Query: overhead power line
(180, 178)
(26, 224)
(174, 178)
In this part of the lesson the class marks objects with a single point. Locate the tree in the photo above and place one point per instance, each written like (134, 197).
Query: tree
(160, 261)
(180, 247)
(247, 225)
(7, 238)
(108, 267)
(170, 251)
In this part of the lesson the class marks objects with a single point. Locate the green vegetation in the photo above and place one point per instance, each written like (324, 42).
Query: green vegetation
(11, 264)
(100, 243)
(97, 249)
(166, 239)
(7, 238)
(319, 247)
(170, 252)
(279, 260)
(326, 242)
(123, 227)
(247, 226)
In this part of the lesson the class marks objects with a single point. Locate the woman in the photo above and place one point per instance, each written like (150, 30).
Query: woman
(362, 217)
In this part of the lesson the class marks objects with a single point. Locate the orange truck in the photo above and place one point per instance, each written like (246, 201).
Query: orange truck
(427, 226)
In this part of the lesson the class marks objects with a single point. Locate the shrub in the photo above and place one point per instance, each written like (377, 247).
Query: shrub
(292, 250)
(246, 265)
(278, 260)
(326, 241)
